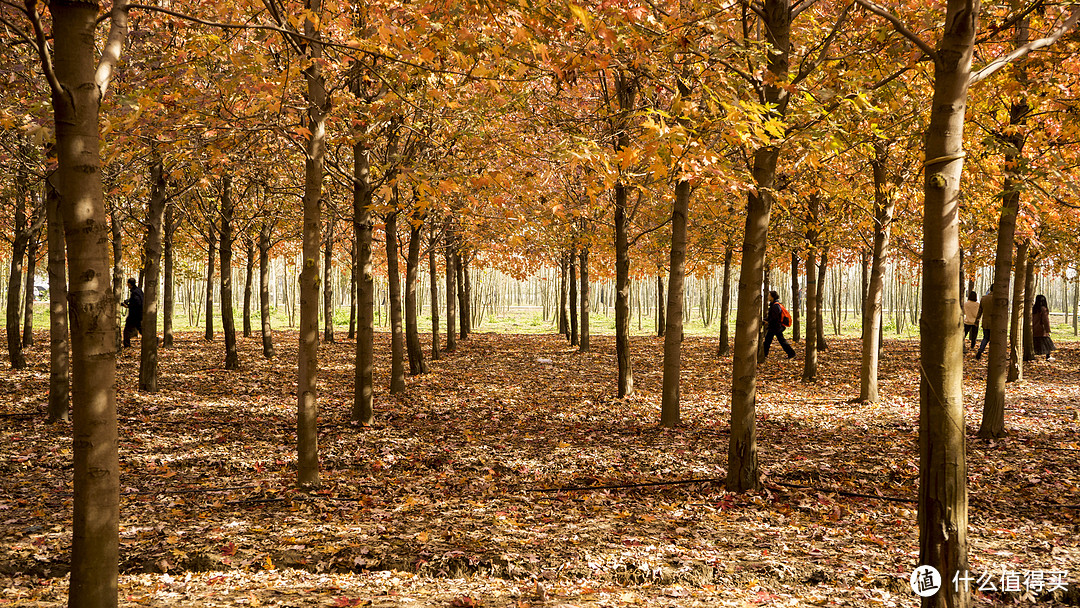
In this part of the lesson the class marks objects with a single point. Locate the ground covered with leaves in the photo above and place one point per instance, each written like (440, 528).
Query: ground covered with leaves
(511, 476)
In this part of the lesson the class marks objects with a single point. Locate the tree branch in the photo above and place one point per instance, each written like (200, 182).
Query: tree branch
(898, 26)
(1034, 45)
(823, 48)
(43, 47)
(114, 45)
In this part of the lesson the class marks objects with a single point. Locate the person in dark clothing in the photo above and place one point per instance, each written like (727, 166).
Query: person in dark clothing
(775, 328)
(986, 308)
(134, 304)
(1040, 322)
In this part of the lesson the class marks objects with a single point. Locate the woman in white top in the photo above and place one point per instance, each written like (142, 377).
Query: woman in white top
(971, 317)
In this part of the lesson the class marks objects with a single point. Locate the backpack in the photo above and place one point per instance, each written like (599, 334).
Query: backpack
(785, 316)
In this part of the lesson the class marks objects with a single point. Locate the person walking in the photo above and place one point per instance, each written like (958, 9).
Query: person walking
(1040, 328)
(986, 307)
(971, 317)
(776, 326)
(134, 304)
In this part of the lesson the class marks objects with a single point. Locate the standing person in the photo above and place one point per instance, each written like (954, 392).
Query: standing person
(134, 304)
(972, 311)
(1040, 328)
(776, 326)
(986, 307)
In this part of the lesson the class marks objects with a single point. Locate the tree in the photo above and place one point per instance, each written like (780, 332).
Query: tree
(78, 84)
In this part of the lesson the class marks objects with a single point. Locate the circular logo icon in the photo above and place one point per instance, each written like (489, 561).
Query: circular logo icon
(925, 581)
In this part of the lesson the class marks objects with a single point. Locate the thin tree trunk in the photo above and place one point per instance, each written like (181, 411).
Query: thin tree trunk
(466, 297)
(249, 280)
(725, 299)
(363, 375)
(155, 219)
(31, 270)
(1016, 364)
(661, 315)
(564, 320)
(572, 330)
(451, 287)
(397, 340)
(463, 302)
(810, 362)
(583, 261)
(669, 402)
(59, 363)
(211, 249)
(871, 301)
(266, 332)
(328, 283)
(795, 298)
(417, 365)
(228, 324)
(819, 307)
(1029, 302)
(117, 269)
(15, 278)
(622, 293)
(168, 302)
(307, 367)
(433, 279)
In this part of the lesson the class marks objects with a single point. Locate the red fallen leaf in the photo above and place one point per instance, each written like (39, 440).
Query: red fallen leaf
(229, 549)
(341, 602)
(464, 602)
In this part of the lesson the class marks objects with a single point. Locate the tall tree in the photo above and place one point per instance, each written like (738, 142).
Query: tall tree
(670, 415)
(78, 84)
(59, 346)
(228, 323)
(155, 220)
(871, 313)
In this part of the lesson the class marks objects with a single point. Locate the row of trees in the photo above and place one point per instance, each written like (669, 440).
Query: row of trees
(506, 135)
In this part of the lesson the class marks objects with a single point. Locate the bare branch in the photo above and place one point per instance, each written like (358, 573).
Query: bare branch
(1034, 45)
(898, 26)
(43, 47)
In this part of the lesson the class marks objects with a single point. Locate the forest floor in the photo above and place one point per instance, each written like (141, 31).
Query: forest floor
(452, 499)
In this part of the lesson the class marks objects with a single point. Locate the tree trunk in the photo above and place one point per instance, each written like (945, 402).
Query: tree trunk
(466, 297)
(59, 363)
(117, 269)
(463, 302)
(795, 297)
(92, 306)
(211, 249)
(228, 324)
(943, 469)
(397, 341)
(15, 278)
(352, 291)
(31, 270)
(622, 293)
(583, 321)
(743, 471)
(572, 329)
(810, 363)
(249, 279)
(669, 402)
(328, 283)
(871, 301)
(168, 300)
(725, 298)
(626, 92)
(564, 320)
(661, 315)
(1016, 365)
(993, 414)
(819, 306)
(363, 410)
(451, 288)
(155, 220)
(417, 365)
(433, 279)
(1029, 302)
(307, 368)
(266, 332)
